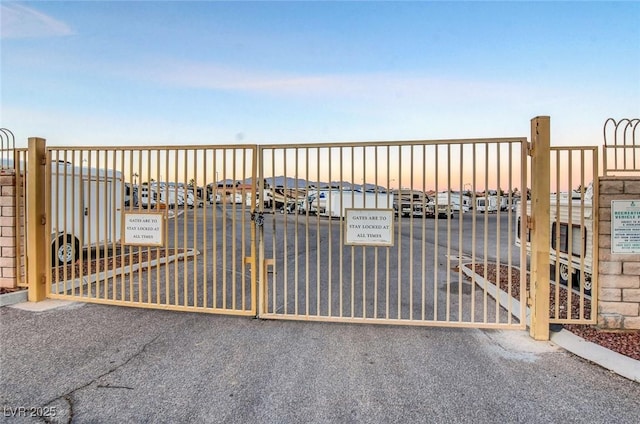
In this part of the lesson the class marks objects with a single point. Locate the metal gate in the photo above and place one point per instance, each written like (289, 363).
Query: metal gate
(425, 232)
(390, 232)
(167, 228)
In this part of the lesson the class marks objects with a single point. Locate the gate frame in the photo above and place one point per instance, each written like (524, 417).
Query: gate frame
(537, 298)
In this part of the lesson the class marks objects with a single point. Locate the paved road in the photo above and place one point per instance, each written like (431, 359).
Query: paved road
(105, 364)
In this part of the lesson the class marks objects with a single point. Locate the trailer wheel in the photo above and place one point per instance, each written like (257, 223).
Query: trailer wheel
(65, 250)
(587, 282)
(564, 274)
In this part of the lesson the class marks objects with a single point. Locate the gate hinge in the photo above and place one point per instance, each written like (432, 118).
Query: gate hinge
(530, 223)
(529, 148)
(43, 220)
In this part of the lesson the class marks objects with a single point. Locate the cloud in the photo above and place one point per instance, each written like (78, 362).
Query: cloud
(20, 21)
(388, 87)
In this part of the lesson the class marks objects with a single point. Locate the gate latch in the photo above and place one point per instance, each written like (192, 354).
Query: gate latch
(258, 217)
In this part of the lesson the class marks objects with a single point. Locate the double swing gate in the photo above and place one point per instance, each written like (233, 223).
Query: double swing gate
(411, 233)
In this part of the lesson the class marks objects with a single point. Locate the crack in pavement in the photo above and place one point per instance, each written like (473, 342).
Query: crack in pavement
(68, 397)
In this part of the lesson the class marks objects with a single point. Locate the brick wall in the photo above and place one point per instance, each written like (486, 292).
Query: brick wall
(8, 262)
(618, 274)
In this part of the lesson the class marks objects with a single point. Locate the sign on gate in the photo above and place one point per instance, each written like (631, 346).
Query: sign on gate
(369, 227)
(144, 228)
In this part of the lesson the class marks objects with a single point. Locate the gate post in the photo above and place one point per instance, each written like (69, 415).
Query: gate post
(539, 225)
(37, 260)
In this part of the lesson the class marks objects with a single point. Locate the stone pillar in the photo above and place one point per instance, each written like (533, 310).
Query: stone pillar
(618, 274)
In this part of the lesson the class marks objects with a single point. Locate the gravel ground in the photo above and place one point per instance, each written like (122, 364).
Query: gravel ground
(624, 342)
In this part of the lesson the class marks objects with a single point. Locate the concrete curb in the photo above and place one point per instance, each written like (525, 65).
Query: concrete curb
(613, 361)
(13, 298)
(21, 296)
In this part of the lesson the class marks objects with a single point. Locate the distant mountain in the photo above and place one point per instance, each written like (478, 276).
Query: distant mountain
(289, 182)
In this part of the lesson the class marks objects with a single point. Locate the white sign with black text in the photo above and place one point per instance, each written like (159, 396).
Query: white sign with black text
(144, 228)
(369, 227)
(625, 226)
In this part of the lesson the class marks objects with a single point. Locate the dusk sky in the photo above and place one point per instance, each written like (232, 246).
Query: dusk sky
(160, 73)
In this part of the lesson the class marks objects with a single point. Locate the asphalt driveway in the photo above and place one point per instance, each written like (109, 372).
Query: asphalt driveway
(107, 364)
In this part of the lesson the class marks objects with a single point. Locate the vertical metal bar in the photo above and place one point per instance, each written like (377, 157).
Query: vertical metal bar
(205, 232)
(254, 259)
(318, 264)
(485, 235)
(224, 228)
(583, 245)
(569, 233)
(556, 224)
(510, 236)
(388, 256)
(423, 271)
(307, 225)
(399, 203)
(215, 242)
(330, 239)
(341, 256)
(474, 228)
(411, 235)
(449, 213)
(436, 233)
(460, 230)
(595, 224)
(297, 232)
(497, 231)
(364, 248)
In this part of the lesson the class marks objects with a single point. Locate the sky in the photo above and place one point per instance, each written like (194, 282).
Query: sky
(176, 72)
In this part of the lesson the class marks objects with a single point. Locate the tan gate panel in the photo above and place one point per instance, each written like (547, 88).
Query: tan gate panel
(574, 234)
(573, 210)
(436, 189)
(158, 227)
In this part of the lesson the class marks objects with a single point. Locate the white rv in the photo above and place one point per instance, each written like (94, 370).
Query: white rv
(446, 203)
(488, 204)
(168, 194)
(332, 203)
(571, 245)
(408, 203)
(86, 210)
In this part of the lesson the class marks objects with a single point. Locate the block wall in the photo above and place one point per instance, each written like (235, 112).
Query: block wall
(8, 260)
(618, 274)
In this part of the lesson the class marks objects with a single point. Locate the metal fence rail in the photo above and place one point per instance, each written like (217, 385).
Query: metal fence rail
(621, 149)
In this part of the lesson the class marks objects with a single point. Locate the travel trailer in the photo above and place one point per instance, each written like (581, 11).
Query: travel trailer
(86, 210)
(156, 194)
(446, 203)
(572, 232)
(488, 204)
(333, 202)
(412, 203)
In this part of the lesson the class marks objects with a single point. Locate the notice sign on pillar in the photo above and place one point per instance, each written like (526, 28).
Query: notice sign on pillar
(625, 226)
(369, 227)
(144, 229)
